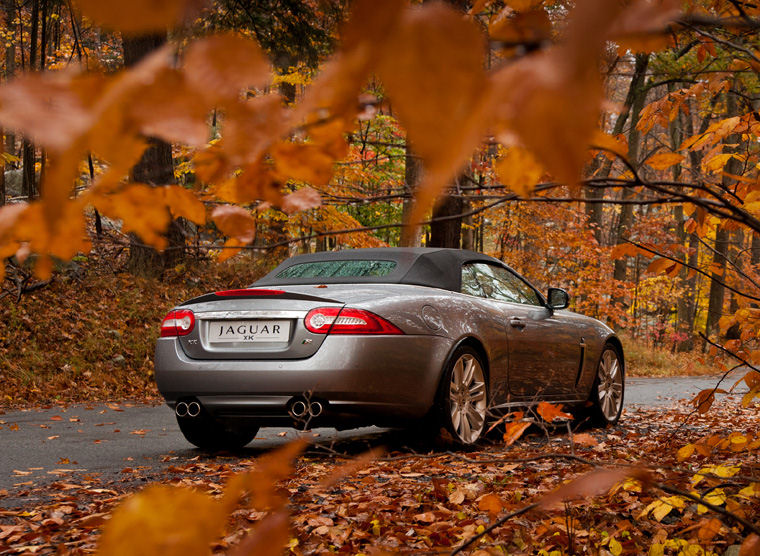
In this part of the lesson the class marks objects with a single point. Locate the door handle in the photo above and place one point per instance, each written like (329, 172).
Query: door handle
(515, 322)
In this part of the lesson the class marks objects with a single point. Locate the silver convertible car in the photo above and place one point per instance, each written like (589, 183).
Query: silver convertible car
(389, 337)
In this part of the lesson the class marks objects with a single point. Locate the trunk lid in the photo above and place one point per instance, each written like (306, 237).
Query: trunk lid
(253, 324)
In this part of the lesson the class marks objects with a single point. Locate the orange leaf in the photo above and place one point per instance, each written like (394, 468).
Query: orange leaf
(183, 203)
(709, 529)
(235, 222)
(552, 99)
(303, 199)
(491, 503)
(267, 538)
(584, 439)
(594, 483)
(168, 108)
(519, 170)
(194, 518)
(662, 161)
(750, 546)
(514, 431)
(705, 398)
(549, 412)
(658, 265)
(432, 68)
(220, 66)
(303, 162)
(136, 15)
(231, 248)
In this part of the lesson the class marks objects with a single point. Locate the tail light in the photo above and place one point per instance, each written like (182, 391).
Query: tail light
(179, 322)
(334, 320)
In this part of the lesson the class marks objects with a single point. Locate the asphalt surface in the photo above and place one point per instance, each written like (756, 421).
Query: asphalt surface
(39, 446)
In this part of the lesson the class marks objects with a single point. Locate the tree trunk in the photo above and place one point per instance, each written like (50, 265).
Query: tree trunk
(594, 210)
(154, 168)
(447, 232)
(634, 137)
(28, 187)
(411, 236)
(717, 290)
(10, 64)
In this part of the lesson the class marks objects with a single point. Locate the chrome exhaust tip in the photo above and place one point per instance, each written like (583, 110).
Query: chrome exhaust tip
(181, 409)
(193, 409)
(315, 409)
(298, 409)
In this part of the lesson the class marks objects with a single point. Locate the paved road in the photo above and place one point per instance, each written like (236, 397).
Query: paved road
(42, 445)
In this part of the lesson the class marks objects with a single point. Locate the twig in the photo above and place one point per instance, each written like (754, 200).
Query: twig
(493, 526)
(695, 268)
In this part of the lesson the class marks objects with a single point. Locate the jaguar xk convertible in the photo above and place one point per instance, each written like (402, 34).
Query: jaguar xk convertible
(389, 337)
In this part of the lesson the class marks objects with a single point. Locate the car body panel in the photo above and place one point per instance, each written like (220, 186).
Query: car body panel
(377, 379)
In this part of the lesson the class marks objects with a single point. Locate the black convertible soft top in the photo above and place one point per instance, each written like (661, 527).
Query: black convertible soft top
(421, 266)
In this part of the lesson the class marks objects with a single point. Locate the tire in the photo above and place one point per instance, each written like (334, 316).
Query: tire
(211, 436)
(608, 390)
(462, 403)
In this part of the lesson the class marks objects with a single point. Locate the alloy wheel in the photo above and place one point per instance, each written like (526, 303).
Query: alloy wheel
(610, 389)
(467, 398)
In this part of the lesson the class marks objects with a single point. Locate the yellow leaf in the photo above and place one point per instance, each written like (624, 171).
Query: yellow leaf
(606, 141)
(615, 547)
(685, 452)
(716, 497)
(752, 490)
(717, 162)
(661, 510)
(171, 521)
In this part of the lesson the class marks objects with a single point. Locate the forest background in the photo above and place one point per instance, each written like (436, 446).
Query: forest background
(155, 150)
(614, 155)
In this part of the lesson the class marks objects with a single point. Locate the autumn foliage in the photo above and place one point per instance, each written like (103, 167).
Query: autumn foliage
(608, 147)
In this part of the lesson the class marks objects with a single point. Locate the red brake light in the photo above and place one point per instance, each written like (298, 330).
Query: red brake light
(334, 320)
(252, 292)
(178, 323)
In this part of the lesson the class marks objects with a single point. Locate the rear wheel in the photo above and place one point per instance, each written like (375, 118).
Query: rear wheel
(608, 390)
(210, 435)
(463, 397)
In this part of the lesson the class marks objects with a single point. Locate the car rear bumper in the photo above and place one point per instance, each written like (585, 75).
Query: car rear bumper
(379, 379)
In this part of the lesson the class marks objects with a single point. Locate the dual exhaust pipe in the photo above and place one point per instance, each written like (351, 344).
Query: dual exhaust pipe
(304, 409)
(187, 409)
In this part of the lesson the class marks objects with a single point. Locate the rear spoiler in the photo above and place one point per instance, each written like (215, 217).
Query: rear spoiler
(248, 293)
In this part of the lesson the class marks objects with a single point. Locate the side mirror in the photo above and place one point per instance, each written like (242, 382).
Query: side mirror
(558, 298)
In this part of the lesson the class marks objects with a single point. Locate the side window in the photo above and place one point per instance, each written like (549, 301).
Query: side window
(470, 283)
(499, 283)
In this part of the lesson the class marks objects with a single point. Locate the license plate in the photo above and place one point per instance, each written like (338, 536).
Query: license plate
(222, 331)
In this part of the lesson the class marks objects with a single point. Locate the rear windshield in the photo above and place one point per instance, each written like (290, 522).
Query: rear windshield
(337, 269)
